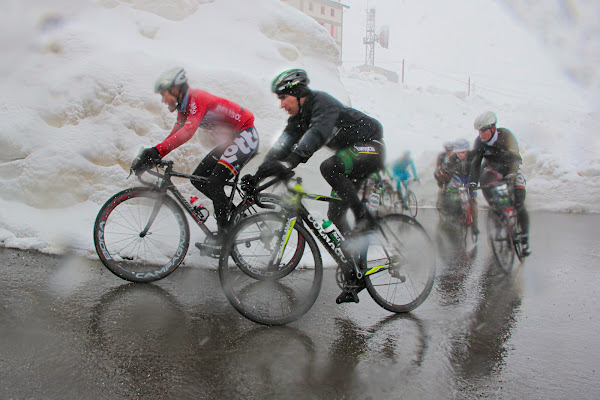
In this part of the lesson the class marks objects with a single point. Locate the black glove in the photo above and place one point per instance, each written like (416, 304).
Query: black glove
(249, 183)
(272, 168)
(147, 159)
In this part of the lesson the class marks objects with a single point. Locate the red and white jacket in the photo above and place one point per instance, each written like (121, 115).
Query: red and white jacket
(199, 107)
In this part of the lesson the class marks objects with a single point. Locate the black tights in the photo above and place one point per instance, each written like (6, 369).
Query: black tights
(214, 189)
(333, 170)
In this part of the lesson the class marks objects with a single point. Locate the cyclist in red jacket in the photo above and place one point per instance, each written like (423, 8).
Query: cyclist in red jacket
(237, 137)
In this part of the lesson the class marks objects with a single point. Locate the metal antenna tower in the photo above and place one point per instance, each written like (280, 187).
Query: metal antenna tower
(370, 39)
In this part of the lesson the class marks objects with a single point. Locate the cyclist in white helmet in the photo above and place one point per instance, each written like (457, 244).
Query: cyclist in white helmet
(236, 143)
(496, 155)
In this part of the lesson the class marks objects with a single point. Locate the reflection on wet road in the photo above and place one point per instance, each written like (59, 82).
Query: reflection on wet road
(71, 329)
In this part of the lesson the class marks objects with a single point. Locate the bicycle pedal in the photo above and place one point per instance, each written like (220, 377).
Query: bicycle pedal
(209, 250)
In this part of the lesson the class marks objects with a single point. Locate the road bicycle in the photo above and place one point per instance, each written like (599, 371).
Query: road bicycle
(395, 260)
(377, 193)
(141, 234)
(504, 230)
(407, 202)
(456, 213)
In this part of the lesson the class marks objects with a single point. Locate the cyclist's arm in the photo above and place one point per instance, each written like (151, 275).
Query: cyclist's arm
(477, 159)
(324, 116)
(282, 147)
(511, 151)
(414, 169)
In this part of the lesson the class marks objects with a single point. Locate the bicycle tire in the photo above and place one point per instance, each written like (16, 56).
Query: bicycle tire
(500, 241)
(387, 200)
(412, 204)
(244, 210)
(130, 255)
(270, 297)
(399, 264)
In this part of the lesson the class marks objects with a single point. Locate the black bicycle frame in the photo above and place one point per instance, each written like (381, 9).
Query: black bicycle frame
(166, 185)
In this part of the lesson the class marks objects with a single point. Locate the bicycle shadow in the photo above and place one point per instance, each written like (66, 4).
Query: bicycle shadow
(451, 243)
(366, 363)
(452, 276)
(481, 348)
(148, 343)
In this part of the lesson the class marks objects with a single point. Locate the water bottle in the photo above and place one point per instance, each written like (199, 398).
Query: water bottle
(199, 209)
(332, 231)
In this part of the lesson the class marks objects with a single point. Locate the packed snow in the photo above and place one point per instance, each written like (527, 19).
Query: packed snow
(77, 104)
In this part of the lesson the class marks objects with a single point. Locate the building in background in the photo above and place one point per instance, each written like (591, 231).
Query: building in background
(328, 13)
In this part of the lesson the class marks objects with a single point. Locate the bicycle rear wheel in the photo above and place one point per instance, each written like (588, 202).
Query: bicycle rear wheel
(411, 203)
(262, 292)
(139, 241)
(500, 241)
(399, 264)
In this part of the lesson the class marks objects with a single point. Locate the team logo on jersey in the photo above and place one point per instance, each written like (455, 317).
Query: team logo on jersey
(366, 149)
(193, 107)
(228, 112)
(246, 144)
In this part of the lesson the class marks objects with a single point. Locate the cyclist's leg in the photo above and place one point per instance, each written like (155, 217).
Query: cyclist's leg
(340, 171)
(522, 214)
(488, 177)
(474, 214)
(335, 170)
(228, 160)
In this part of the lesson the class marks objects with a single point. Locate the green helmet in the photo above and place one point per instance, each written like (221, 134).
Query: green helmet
(293, 82)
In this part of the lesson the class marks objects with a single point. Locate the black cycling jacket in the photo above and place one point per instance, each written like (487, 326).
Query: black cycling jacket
(323, 121)
(502, 156)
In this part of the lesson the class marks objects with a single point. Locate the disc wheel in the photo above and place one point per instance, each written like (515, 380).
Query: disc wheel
(263, 291)
(141, 235)
(500, 241)
(399, 264)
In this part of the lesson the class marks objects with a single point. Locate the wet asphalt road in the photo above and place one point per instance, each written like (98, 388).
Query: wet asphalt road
(71, 329)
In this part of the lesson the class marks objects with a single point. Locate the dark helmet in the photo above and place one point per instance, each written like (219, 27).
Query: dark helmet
(293, 82)
(174, 77)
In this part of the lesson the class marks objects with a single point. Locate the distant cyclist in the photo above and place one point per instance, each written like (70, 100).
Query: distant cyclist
(441, 173)
(236, 141)
(459, 168)
(496, 156)
(402, 175)
(319, 120)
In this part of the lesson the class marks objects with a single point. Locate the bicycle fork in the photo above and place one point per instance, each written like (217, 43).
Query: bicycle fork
(153, 215)
(282, 242)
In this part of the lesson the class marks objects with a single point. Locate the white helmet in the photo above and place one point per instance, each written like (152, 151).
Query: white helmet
(461, 145)
(485, 120)
(172, 78)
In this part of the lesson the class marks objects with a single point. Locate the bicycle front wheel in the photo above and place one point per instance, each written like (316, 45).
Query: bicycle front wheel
(411, 203)
(399, 264)
(245, 210)
(262, 289)
(500, 241)
(141, 235)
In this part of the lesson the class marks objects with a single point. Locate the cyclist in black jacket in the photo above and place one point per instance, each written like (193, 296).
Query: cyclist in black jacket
(317, 119)
(496, 155)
